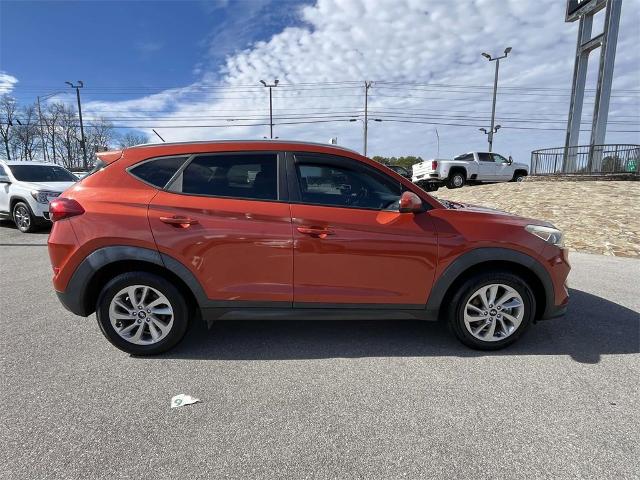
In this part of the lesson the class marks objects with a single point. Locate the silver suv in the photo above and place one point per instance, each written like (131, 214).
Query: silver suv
(26, 189)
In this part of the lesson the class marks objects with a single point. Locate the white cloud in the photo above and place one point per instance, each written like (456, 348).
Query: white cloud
(401, 41)
(7, 82)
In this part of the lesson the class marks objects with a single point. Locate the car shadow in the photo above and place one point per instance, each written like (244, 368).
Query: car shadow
(12, 237)
(592, 327)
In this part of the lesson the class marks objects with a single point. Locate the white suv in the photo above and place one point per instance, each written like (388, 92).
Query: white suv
(26, 189)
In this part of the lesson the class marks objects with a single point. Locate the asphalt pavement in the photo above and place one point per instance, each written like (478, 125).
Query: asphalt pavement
(282, 399)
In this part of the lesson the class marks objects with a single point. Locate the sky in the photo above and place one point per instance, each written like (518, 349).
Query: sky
(191, 69)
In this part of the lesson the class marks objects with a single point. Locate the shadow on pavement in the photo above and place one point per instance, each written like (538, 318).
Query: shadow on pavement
(593, 327)
(12, 237)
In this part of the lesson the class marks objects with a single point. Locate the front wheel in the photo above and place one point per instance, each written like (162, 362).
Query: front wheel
(141, 313)
(23, 218)
(518, 177)
(490, 311)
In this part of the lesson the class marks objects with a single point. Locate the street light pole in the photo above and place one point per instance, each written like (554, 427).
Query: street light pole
(495, 91)
(270, 86)
(83, 141)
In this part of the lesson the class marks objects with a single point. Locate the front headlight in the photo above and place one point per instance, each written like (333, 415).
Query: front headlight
(43, 196)
(548, 234)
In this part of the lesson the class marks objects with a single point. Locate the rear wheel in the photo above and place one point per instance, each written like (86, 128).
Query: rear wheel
(141, 313)
(23, 218)
(490, 311)
(456, 180)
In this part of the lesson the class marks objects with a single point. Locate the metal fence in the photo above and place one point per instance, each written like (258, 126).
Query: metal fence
(586, 160)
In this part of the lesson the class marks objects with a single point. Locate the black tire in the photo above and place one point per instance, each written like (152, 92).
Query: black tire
(518, 177)
(456, 180)
(432, 187)
(24, 218)
(173, 295)
(455, 314)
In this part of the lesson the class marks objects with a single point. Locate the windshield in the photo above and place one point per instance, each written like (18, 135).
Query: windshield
(42, 173)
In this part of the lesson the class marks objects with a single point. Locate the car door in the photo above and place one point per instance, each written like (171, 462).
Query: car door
(504, 171)
(4, 192)
(225, 217)
(351, 245)
(486, 167)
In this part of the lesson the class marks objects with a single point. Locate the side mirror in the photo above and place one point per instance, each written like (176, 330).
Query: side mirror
(4, 179)
(510, 160)
(410, 203)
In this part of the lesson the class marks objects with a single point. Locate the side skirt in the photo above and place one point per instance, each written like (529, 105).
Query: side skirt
(384, 312)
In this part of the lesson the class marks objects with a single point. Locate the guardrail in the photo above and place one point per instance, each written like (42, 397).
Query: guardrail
(587, 160)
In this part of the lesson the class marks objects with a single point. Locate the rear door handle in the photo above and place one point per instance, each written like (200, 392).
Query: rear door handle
(181, 222)
(316, 232)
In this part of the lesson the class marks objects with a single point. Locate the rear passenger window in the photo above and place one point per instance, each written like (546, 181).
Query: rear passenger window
(159, 171)
(252, 176)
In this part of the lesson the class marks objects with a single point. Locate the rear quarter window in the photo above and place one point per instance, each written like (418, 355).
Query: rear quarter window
(158, 171)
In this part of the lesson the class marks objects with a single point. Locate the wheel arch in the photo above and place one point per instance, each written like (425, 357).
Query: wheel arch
(502, 259)
(458, 168)
(18, 198)
(100, 266)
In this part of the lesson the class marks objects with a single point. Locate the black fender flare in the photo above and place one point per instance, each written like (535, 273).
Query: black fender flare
(74, 298)
(487, 254)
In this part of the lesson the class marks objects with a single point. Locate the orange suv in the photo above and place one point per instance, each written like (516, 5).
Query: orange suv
(159, 235)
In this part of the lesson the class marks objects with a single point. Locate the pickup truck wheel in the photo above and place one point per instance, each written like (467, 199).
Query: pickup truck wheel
(518, 177)
(456, 180)
(141, 313)
(431, 187)
(492, 310)
(23, 218)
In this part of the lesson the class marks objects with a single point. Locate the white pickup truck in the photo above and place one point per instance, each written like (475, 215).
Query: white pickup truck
(472, 167)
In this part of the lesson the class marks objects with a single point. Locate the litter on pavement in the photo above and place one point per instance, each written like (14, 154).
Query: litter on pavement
(182, 400)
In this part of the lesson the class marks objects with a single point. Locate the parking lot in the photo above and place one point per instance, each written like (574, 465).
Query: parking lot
(320, 399)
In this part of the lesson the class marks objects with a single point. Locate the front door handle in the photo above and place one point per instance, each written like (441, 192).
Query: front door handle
(316, 232)
(180, 222)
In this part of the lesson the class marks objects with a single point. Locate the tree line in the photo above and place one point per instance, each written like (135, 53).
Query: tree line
(405, 162)
(51, 132)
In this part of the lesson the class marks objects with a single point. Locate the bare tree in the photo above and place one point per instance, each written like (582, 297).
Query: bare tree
(25, 141)
(8, 109)
(67, 143)
(51, 120)
(100, 135)
(130, 139)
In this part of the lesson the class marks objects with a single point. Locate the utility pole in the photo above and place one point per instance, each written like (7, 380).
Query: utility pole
(367, 86)
(83, 141)
(438, 140)
(270, 86)
(493, 130)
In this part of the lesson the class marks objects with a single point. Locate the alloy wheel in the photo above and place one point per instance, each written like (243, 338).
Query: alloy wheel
(141, 314)
(493, 312)
(22, 217)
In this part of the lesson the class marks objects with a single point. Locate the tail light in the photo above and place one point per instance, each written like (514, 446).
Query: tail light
(434, 164)
(61, 208)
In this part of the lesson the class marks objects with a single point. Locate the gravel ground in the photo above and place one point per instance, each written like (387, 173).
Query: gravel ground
(597, 217)
(361, 400)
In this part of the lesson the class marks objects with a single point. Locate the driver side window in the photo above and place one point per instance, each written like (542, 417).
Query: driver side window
(499, 158)
(341, 186)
